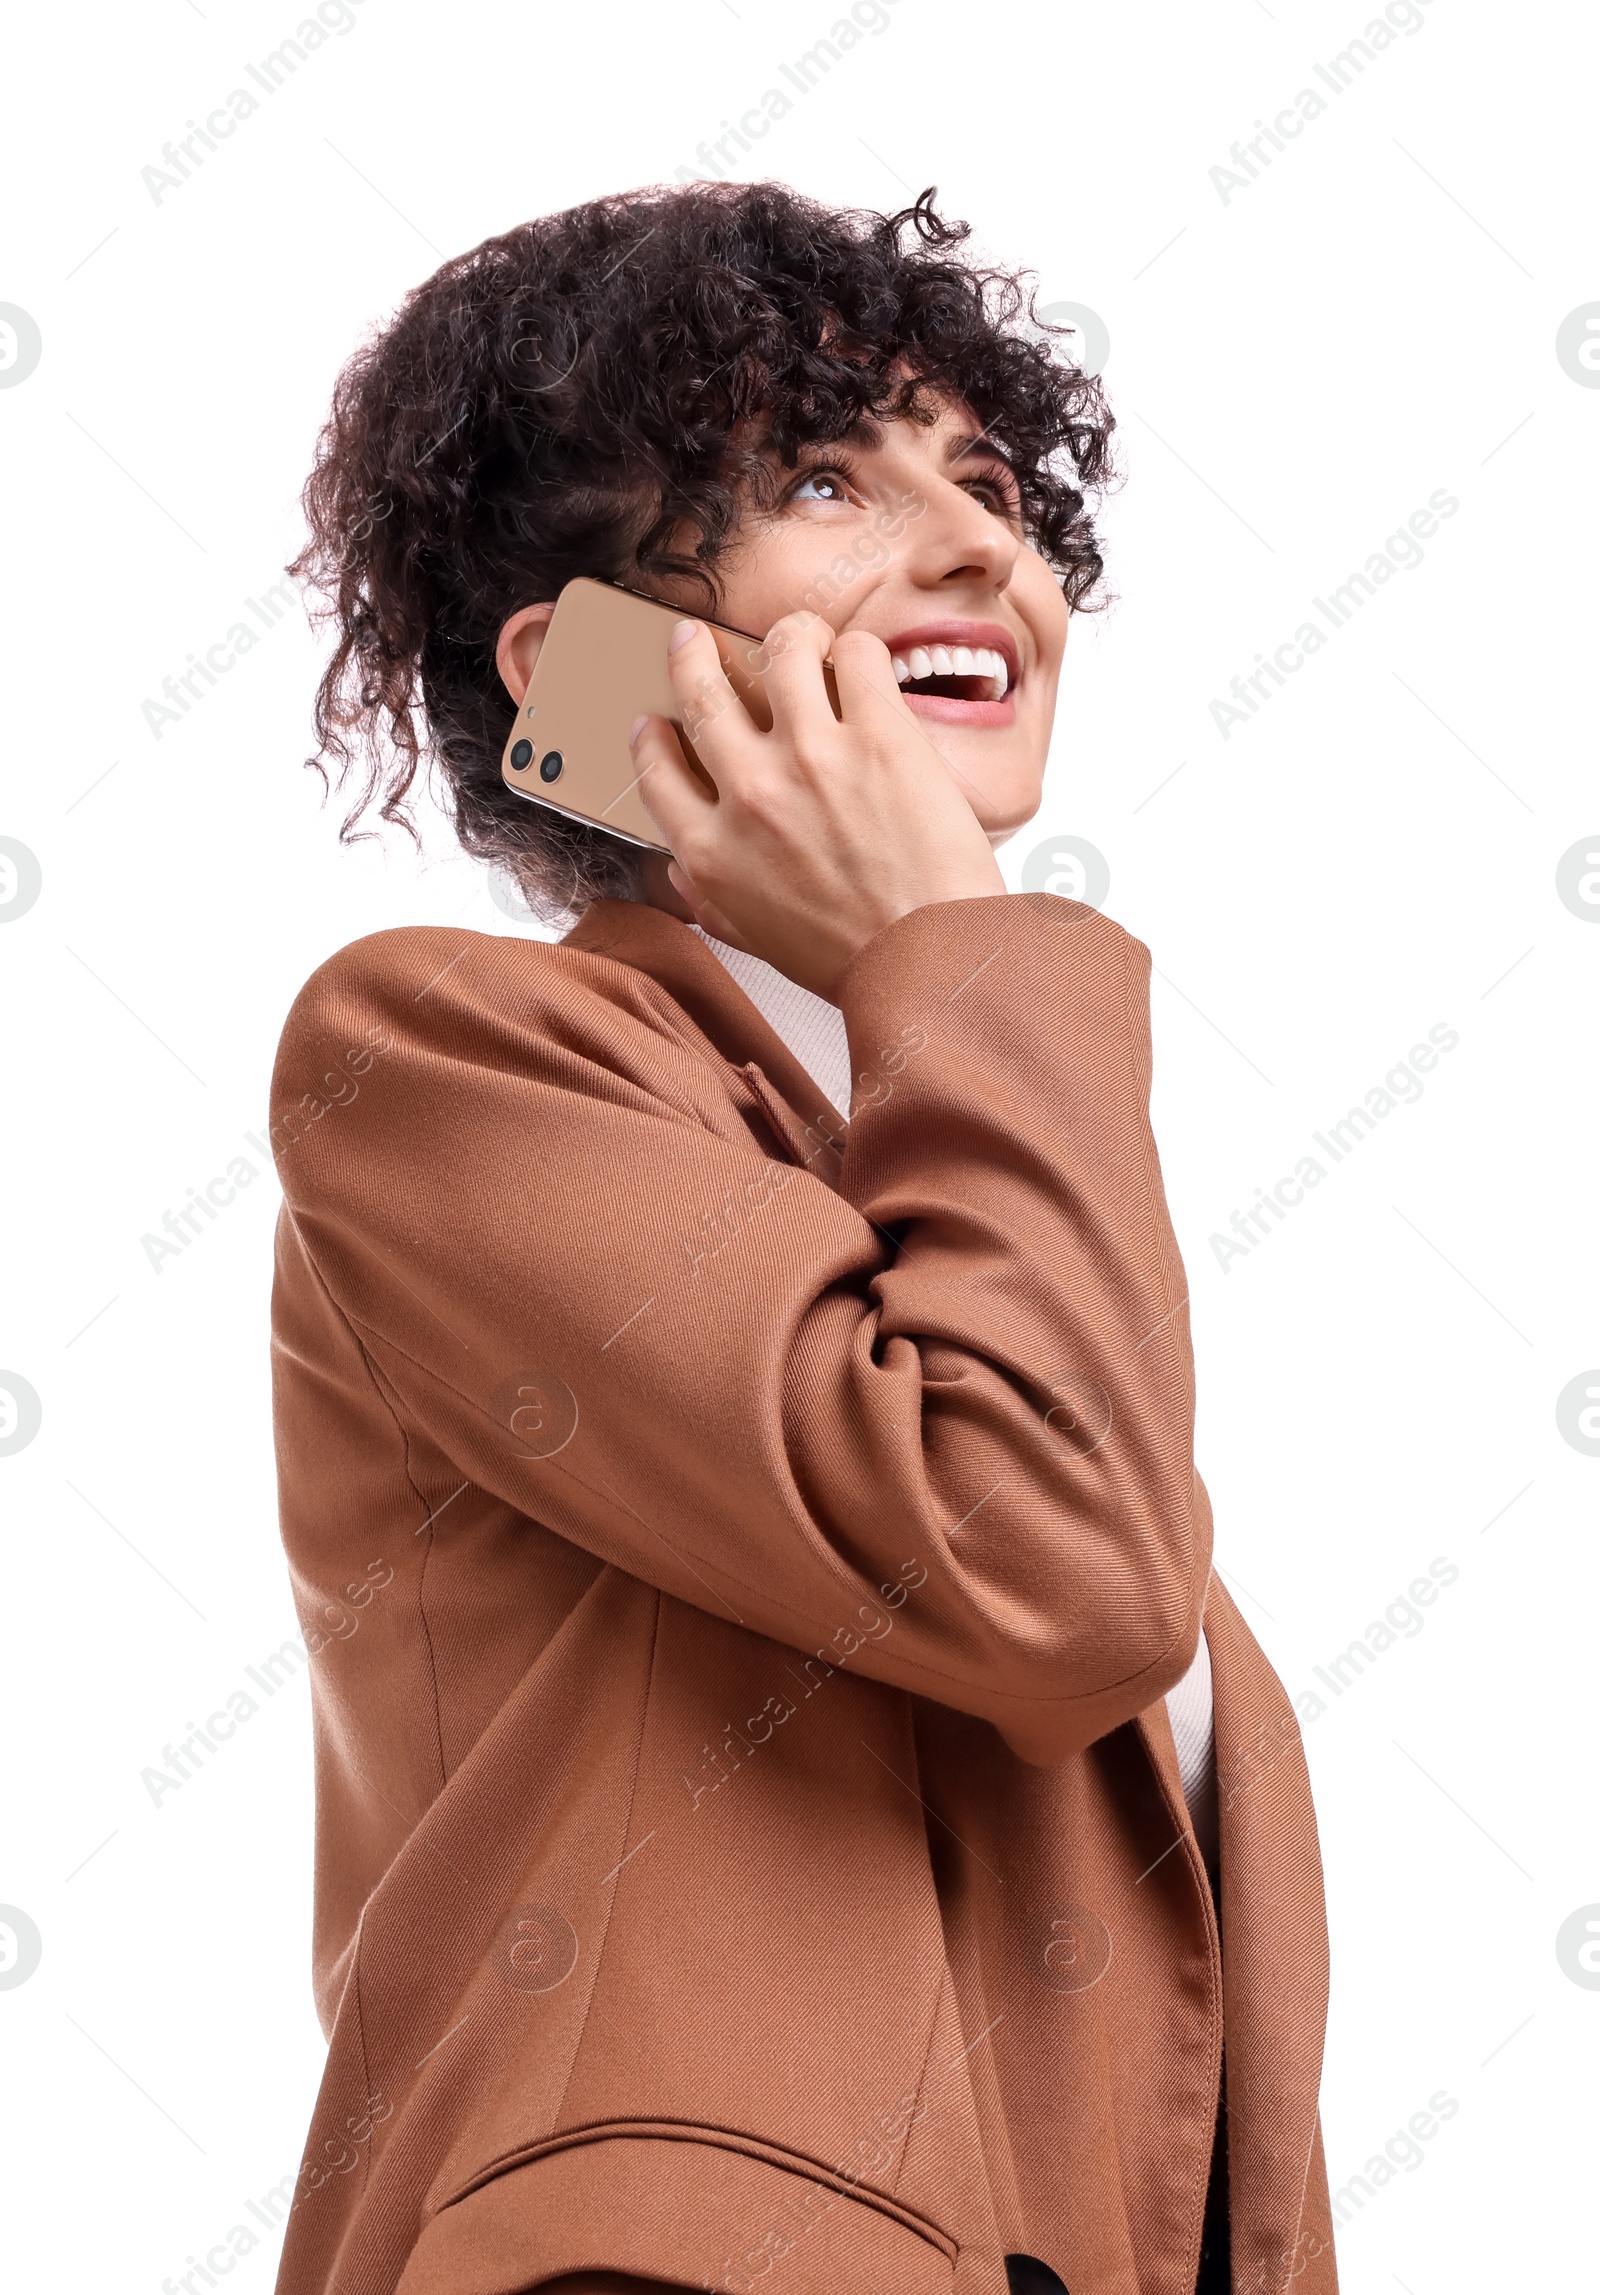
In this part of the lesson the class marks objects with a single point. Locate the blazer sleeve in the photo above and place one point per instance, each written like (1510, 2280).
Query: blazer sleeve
(932, 1423)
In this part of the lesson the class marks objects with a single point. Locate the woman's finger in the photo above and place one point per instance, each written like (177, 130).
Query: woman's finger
(864, 676)
(673, 794)
(794, 651)
(716, 724)
(871, 702)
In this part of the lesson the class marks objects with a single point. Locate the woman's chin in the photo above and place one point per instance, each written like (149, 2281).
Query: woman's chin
(1005, 799)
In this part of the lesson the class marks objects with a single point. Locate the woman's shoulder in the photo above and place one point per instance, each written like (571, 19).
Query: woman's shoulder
(416, 982)
(440, 1030)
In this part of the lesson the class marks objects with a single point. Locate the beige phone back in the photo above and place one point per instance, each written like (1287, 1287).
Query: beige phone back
(603, 663)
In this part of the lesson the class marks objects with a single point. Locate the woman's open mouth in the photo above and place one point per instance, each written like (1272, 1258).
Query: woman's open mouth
(960, 674)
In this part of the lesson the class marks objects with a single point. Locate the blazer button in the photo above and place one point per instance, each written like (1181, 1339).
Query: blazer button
(1026, 2275)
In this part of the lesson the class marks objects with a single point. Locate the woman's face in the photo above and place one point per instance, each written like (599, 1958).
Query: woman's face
(910, 531)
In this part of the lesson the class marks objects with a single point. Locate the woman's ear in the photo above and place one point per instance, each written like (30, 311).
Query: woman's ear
(518, 647)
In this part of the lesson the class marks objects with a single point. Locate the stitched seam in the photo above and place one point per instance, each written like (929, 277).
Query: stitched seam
(1300, 2211)
(361, 2047)
(767, 2154)
(922, 2077)
(1201, 1881)
(627, 1821)
(371, 1368)
(404, 1433)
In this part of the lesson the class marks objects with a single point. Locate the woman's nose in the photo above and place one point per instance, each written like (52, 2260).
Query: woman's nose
(958, 539)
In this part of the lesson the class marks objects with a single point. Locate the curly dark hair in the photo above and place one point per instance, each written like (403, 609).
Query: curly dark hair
(596, 392)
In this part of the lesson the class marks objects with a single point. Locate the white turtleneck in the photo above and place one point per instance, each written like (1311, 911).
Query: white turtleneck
(814, 1031)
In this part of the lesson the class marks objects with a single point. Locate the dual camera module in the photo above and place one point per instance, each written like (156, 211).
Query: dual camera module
(549, 764)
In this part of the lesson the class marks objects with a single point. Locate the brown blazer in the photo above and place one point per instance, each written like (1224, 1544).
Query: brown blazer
(742, 1560)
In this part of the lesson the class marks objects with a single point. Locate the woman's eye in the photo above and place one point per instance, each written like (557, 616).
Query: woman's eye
(821, 486)
(995, 496)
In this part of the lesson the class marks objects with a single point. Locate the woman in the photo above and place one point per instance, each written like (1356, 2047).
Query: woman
(767, 1663)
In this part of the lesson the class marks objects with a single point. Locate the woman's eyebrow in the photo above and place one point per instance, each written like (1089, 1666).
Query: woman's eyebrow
(978, 445)
(977, 442)
(863, 434)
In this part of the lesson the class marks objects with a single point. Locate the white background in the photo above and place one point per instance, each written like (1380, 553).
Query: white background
(1295, 369)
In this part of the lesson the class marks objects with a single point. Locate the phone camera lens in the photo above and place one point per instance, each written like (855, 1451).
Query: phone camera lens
(550, 765)
(522, 755)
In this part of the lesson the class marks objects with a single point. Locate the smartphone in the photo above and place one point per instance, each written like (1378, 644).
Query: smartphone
(603, 664)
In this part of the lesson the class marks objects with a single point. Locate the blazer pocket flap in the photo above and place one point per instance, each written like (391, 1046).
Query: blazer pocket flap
(687, 2209)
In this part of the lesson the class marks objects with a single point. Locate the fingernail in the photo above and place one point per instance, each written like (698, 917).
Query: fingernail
(636, 728)
(681, 635)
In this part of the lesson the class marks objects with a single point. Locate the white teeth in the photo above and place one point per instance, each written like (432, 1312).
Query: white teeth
(986, 662)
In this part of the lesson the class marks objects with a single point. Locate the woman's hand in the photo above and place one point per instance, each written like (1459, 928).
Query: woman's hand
(823, 830)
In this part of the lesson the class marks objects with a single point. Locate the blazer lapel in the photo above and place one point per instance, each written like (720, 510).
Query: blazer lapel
(1274, 1966)
(794, 1104)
